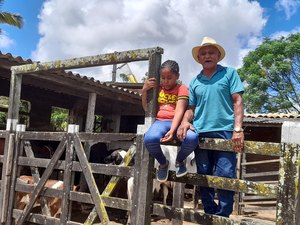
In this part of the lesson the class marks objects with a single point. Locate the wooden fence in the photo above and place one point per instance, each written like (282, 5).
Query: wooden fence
(141, 206)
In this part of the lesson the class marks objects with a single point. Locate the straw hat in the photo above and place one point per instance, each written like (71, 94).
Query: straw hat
(206, 42)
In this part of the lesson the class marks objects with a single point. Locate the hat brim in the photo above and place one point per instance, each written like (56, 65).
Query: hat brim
(195, 51)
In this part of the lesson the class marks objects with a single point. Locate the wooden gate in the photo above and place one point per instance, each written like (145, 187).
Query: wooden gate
(70, 144)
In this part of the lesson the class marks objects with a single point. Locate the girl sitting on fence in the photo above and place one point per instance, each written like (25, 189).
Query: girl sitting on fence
(172, 103)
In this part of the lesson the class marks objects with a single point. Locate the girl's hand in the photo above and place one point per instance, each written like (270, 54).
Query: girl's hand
(168, 137)
(149, 84)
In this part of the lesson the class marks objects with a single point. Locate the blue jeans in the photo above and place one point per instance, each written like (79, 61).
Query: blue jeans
(158, 130)
(216, 163)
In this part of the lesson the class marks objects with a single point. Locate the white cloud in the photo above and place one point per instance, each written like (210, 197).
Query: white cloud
(5, 41)
(76, 28)
(289, 7)
(279, 34)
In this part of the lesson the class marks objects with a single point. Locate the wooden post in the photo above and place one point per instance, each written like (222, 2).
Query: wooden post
(17, 149)
(178, 200)
(114, 73)
(6, 174)
(143, 180)
(288, 185)
(237, 196)
(89, 125)
(142, 185)
(14, 101)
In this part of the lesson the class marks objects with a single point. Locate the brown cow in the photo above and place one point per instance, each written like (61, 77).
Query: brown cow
(54, 203)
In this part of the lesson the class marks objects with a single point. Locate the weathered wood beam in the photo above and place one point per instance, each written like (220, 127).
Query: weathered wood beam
(89, 61)
(249, 187)
(254, 147)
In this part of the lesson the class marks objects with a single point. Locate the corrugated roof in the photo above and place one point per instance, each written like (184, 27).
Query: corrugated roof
(70, 75)
(272, 115)
(271, 118)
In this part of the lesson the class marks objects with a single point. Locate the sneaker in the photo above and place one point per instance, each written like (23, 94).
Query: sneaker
(163, 173)
(180, 169)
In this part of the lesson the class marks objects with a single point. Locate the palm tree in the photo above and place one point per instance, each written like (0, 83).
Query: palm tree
(10, 18)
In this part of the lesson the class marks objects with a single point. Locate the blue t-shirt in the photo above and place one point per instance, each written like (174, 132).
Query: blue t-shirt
(212, 99)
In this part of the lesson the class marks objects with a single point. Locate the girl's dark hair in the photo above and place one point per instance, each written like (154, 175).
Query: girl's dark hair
(172, 65)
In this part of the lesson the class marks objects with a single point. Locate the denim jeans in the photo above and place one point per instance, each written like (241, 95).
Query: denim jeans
(158, 130)
(216, 163)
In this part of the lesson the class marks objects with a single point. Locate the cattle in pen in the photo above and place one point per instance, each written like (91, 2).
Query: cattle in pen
(54, 203)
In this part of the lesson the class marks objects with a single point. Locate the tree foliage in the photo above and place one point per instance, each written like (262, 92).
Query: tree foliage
(59, 118)
(272, 76)
(10, 18)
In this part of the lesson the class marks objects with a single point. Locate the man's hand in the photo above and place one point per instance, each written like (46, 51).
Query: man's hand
(238, 141)
(182, 130)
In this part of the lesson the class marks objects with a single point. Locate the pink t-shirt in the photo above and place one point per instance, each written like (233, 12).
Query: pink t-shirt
(167, 100)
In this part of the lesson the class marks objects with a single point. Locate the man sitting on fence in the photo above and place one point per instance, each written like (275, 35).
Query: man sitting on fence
(215, 111)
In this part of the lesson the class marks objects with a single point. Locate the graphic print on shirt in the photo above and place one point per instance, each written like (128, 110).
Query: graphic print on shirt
(165, 98)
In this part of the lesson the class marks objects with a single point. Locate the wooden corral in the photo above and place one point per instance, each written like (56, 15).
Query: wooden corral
(72, 153)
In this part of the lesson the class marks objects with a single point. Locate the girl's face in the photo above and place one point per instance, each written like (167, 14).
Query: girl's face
(168, 79)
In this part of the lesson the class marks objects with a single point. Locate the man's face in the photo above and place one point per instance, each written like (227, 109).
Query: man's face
(209, 56)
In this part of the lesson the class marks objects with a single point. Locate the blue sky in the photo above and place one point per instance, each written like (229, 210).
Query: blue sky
(25, 39)
(58, 29)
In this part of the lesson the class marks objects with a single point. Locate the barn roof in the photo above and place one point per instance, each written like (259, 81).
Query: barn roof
(18, 60)
(275, 119)
(73, 85)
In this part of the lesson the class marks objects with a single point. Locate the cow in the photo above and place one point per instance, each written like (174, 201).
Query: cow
(54, 203)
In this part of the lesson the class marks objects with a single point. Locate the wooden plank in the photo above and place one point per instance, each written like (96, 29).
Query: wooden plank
(36, 177)
(106, 137)
(254, 147)
(42, 219)
(100, 208)
(95, 167)
(259, 203)
(68, 182)
(14, 101)
(89, 126)
(178, 200)
(18, 150)
(7, 167)
(142, 185)
(288, 184)
(112, 202)
(42, 182)
(262, 174)
(260, 162)
(89, 61)
(237, 196)
(90, 116)
(43, 136)
(254, 197)
(259, 209)
(113, 181)
(249, 187)
(47, 192)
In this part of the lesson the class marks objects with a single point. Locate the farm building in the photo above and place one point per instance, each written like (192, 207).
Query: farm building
(120, 109)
